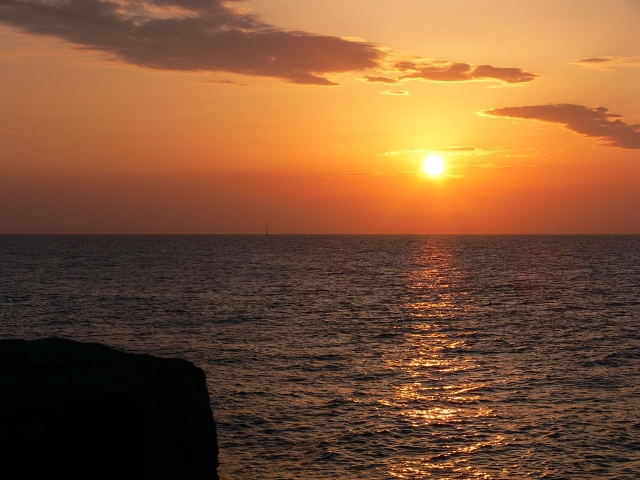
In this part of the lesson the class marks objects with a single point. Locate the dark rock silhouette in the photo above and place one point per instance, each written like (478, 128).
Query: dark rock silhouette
(84, 410)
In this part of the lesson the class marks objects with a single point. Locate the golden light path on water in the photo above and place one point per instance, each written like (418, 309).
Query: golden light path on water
(443, 397)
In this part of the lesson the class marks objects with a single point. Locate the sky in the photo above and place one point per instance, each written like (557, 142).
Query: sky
(211, 116)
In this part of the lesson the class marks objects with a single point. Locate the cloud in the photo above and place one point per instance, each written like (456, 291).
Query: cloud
(225, 82)
(594, 60)
(466, 150)
(402, 93)
(442, 71)
(399, 174)
(389, 81)
(462, 72)
(364, 174)
(494, 165)
(591, 122)
(607, 63)
(191, 35)
(217, 36)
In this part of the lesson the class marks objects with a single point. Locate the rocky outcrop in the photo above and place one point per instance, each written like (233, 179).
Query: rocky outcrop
(83, 410)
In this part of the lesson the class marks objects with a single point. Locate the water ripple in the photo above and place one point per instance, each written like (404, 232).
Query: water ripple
(365, 357)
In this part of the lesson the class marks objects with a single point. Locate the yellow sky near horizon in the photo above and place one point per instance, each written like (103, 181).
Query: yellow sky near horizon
(191, 116)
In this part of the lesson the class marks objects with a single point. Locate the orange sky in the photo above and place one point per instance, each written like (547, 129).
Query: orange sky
(203, 116)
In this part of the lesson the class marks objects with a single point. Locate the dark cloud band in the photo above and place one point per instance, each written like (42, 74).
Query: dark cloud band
(212, 35)
(591, 122)
(463, 72)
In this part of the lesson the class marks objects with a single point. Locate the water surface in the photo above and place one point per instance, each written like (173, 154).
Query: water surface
(368, 357)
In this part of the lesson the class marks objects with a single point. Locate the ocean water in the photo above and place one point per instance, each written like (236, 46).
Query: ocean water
(368, 357)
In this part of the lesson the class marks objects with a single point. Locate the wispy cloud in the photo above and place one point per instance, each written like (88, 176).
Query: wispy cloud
(463, 150)
(225, 82)
(494, 165)
(389, 81)
(402, 93)
(607, 63)
(218, 36)
(596, 122)
(399, 174)
(444, 71)
(462, 72)
(459, 150)
(381, 174)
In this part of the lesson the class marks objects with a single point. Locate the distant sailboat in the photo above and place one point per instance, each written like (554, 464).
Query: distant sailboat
(266, 229)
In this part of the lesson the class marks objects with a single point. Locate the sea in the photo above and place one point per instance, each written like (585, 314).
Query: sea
(367, 356)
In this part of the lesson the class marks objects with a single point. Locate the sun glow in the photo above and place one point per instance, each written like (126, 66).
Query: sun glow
(433, 165)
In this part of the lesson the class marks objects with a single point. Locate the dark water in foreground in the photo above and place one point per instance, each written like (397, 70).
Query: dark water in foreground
(368, 357)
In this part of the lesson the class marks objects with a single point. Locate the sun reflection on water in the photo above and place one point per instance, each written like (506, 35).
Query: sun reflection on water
(442, 397)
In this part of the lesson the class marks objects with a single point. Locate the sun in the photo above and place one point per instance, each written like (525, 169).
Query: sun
(433, 165)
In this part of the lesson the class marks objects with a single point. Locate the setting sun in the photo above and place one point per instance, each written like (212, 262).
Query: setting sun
(433, 166)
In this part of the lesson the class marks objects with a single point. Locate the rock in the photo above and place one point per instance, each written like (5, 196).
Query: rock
(75, 410)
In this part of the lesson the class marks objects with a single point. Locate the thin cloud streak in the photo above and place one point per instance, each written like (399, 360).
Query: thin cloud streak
(399, 174)
(389, 81)
(456, 150)
(607, 63)
(225, 82)
(401, 93)
(494, 165)
(460, 150)
(216, 36)
(442, 71)
(596, 122)
(595, 60)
